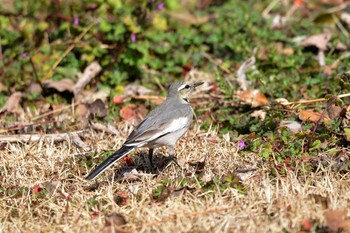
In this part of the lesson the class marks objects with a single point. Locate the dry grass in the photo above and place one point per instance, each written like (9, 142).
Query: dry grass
(269, 204)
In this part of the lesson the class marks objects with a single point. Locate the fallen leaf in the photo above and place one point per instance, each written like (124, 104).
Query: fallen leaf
(121, 198)
(35, 88)
(281, 50)
(2, 88)
(133, 113)
(37, 188)
(306, 224)
(132, 90)
(62, 85)
(337, 219)
(334, 111)
(241, 77)
(13, 104)
(255, 98)
(293, 126)
(320, 41)
(114, 220)
(118, 99)
(128, 112)
(261, 114)
(198, 165)
(97, 108)
(342, 158)
(309, 115)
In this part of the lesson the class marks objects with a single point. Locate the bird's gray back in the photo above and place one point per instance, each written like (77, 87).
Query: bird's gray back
(170, 110)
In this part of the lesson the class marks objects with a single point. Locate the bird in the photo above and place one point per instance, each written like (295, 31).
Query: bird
(163, 126)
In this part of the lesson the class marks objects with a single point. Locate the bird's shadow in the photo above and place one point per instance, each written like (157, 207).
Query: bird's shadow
(141, 167)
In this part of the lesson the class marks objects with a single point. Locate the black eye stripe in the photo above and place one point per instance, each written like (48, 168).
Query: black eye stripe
(187, 86)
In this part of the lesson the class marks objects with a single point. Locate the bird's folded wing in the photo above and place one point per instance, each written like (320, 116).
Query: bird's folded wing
(156, 130)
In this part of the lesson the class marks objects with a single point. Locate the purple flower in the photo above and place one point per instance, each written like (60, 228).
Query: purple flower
(160, 6)
(24, 55)
(241, 144)
(76, 20)
(133, 37)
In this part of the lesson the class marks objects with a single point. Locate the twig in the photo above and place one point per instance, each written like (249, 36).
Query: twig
(53, 112)
(148, 97)
(76, 40)
(37, 137)
(23, 125)
(315, 100)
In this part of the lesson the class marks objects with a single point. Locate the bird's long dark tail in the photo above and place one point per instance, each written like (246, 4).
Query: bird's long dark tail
(110, 161)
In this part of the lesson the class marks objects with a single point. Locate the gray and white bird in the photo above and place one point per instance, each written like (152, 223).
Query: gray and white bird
(163, 126)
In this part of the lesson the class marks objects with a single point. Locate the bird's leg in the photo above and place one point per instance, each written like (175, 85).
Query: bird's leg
(172, 157)
(150, 154)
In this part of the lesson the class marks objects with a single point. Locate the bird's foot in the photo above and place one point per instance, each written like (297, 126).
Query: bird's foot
(171, 159)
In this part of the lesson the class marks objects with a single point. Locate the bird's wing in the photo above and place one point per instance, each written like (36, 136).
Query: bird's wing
(163, 122)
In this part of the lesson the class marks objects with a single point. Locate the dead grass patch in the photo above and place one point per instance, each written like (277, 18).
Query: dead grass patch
(43, 189)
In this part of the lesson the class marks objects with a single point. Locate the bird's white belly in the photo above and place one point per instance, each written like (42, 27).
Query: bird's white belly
(176, 129)
(168, 139)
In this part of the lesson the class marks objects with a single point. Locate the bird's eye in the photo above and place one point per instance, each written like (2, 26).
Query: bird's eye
(187, 86)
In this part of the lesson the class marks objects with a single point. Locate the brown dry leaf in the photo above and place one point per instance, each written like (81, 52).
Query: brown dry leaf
(114, 222)
(261, 114)
(337, 219)
(255, 98)
(98, 108)
(89, 73)
(334, 111)
(13, 104)
(319, 40)
(281, 50)
(128, 112)
(328, 69)
(309, 115)
(3, 88)
(35, 88)
(62, 85)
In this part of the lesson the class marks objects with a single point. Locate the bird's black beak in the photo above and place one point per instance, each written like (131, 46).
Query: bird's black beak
(196, 84)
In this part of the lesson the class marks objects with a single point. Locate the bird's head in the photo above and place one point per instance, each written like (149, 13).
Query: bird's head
(182, 89)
